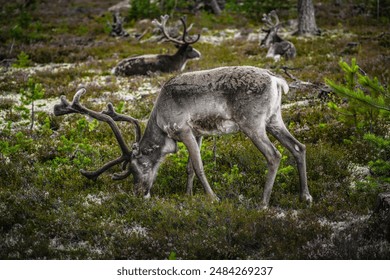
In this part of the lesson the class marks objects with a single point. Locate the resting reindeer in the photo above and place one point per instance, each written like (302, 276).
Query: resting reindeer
(146, 64)
(277, 47)
(191, 105)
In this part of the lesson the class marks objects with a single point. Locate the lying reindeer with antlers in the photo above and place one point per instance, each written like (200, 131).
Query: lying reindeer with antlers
(146, 64)
(191, 105)
(277, 47)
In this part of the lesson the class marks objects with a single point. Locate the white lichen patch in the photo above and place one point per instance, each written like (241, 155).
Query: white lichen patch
(358, 174)
(95, 199)
(136, 230)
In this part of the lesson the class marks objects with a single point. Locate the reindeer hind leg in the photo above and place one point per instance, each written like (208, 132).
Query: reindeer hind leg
(278, 129)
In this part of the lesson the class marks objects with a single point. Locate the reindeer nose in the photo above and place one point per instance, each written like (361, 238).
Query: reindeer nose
(195, 54)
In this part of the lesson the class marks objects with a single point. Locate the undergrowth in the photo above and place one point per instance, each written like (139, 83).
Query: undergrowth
(48, 210)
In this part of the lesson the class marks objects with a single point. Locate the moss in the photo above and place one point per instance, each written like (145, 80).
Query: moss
(48, 210)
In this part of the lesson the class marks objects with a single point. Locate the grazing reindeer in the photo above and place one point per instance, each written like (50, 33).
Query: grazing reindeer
(277, 47)
(146, 64)
(218, 101)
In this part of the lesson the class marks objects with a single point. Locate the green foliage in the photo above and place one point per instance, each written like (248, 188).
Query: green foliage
(254, 9)
(143, 9)
(23, 61)
(367, 99)
(368, 105)
(29, 95)
(20, 22)
(76, 149)
(380, 166)
(13, 143)
(48, 210)
(153, 9)
(172, 256)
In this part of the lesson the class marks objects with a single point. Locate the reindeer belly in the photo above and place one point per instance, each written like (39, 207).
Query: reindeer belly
(213, 125)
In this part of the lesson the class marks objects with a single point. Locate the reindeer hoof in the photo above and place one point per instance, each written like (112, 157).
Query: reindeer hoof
(263, 206)
(213, 197)
(307, 198)
(147, 196)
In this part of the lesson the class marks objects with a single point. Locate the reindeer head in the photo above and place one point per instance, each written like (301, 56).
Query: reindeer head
(134, 161)
(184, 45)
(271, 20)
(144, 174)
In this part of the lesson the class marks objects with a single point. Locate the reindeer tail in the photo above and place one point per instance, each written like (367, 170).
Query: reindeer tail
(281, 84)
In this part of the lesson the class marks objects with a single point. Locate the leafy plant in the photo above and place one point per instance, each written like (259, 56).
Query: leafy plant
(23, 60)
(13, 143)
(381, 165)
(367, 101)
(153, 9)
(255, 8)
(143, 9)
(29, 95)
(368, 104)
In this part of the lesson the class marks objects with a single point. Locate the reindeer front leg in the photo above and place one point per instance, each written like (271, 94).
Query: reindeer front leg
(190, 141)
(190, 170)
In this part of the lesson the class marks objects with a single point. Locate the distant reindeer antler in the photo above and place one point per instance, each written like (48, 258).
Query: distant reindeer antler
(267, 19)
(162, 26)
(109, 116)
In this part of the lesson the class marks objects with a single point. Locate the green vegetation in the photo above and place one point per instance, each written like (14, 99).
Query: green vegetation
(32, 93)
(48, 210)
(368, 106)
(23, 61)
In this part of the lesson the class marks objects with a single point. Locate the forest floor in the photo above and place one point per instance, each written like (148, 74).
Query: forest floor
(48, 210)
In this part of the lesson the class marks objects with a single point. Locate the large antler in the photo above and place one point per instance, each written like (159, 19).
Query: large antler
(267, 19)
(109, 116)
(162, 26)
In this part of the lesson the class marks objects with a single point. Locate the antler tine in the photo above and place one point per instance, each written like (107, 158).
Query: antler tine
(275, 16)
(185, 32)
(94, 174)
(266, 19)
(75, 107)
(68, 108)
(162, 27)
(77, 96)
(120, 117)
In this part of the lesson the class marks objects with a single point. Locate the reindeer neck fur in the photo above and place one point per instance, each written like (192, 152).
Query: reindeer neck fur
(176, 61)
(155, 143)
(271, 38)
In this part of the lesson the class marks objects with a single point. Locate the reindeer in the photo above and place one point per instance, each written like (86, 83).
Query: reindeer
(277, 47)
(217, 101)
(117, 26)
(146, 64)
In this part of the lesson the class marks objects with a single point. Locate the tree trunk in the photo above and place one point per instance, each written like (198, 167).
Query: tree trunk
(306, 18)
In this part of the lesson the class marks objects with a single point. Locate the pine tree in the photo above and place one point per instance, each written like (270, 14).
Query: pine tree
(368, 104)
(367, 99)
